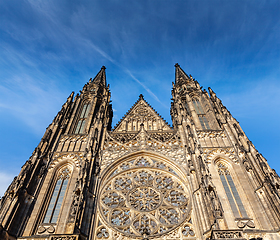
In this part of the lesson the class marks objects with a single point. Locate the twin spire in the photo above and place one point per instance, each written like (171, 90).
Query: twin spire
(180, 76)
(141, 112)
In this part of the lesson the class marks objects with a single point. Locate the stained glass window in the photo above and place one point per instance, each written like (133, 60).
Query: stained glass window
(82, 119)
(201, 114)
(231, 192)
(149, 196)
(57, 196)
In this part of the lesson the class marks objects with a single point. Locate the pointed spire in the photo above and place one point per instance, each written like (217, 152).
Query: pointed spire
(100, 78)
(180, 75)
(181, 78)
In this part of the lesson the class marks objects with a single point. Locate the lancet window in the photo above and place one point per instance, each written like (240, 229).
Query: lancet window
(57, 196)
(201, 114)
(231, 192)
(80, 128)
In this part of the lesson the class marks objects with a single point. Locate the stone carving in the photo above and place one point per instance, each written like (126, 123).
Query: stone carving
(123, 137)
(247, 165)
(102, 233)
(226, 234)
(43, 170)
(164, 136)
(74, 207)
(44, 229)
(188, 231)
(244, 223)
(216, 204)
(72, 143)
(211, 154)
(141, 113)
(149, 196)
(172, 148)
(76, 158)
(64, 238)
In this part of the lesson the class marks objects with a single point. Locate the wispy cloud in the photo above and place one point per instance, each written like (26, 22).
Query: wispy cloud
(48, 48)
(29, 101)
(143, 85)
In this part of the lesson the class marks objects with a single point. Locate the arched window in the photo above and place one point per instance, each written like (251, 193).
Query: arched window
(80, 128)
(231, 192)
(57, 196)
(201, 114)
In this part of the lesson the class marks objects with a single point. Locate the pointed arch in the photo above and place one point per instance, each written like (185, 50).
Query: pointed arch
(200, 113)
(230, 189)
(142, 190)
(83, 115)
(60, 185)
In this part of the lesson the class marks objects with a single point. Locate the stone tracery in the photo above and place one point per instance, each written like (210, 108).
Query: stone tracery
(143, 194)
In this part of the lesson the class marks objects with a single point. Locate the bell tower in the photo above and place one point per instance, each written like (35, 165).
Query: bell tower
(200, 178)
(232, 179)
(55, 190)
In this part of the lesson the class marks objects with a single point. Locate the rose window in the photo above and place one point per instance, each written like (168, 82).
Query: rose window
(144, 199)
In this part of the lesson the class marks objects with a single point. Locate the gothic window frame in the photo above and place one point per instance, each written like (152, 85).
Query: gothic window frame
(232, 191)
(134, 175)
(62, 173)
(200, 113)
(81, 121)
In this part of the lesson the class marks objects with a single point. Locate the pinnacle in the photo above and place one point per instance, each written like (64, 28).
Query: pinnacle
(100, 78)
(141, 96)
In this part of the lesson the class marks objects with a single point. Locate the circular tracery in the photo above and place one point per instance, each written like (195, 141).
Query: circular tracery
(144, 198)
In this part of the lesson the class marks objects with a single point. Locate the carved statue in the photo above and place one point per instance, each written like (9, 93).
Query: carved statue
(216, 204)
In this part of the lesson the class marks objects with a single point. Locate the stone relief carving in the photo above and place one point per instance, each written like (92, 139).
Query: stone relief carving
(44, 229)
(244, 223)
(102, 233)
(122, 137)
(225, 234)
(228, 153)
(210, 138)
(216, 204)
(141, 112)
(64, 238)
(75, 157)
(172, 148)
(72, 143)
(74, 207)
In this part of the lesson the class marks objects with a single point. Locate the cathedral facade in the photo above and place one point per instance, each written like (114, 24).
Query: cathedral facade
(200, 179)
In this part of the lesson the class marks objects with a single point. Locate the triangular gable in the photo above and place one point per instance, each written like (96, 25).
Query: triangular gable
(141, 113)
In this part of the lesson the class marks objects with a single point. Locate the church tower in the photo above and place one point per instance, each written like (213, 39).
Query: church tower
(200, 179)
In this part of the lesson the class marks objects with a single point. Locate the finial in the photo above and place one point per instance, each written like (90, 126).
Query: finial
(103, 67)
(177, 65)
(141, 96)
(71, 95)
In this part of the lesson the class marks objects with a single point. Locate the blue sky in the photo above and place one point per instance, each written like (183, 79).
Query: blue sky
(50, 48)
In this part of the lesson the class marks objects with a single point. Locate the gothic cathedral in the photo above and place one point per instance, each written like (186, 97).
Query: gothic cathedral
(200, 179)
